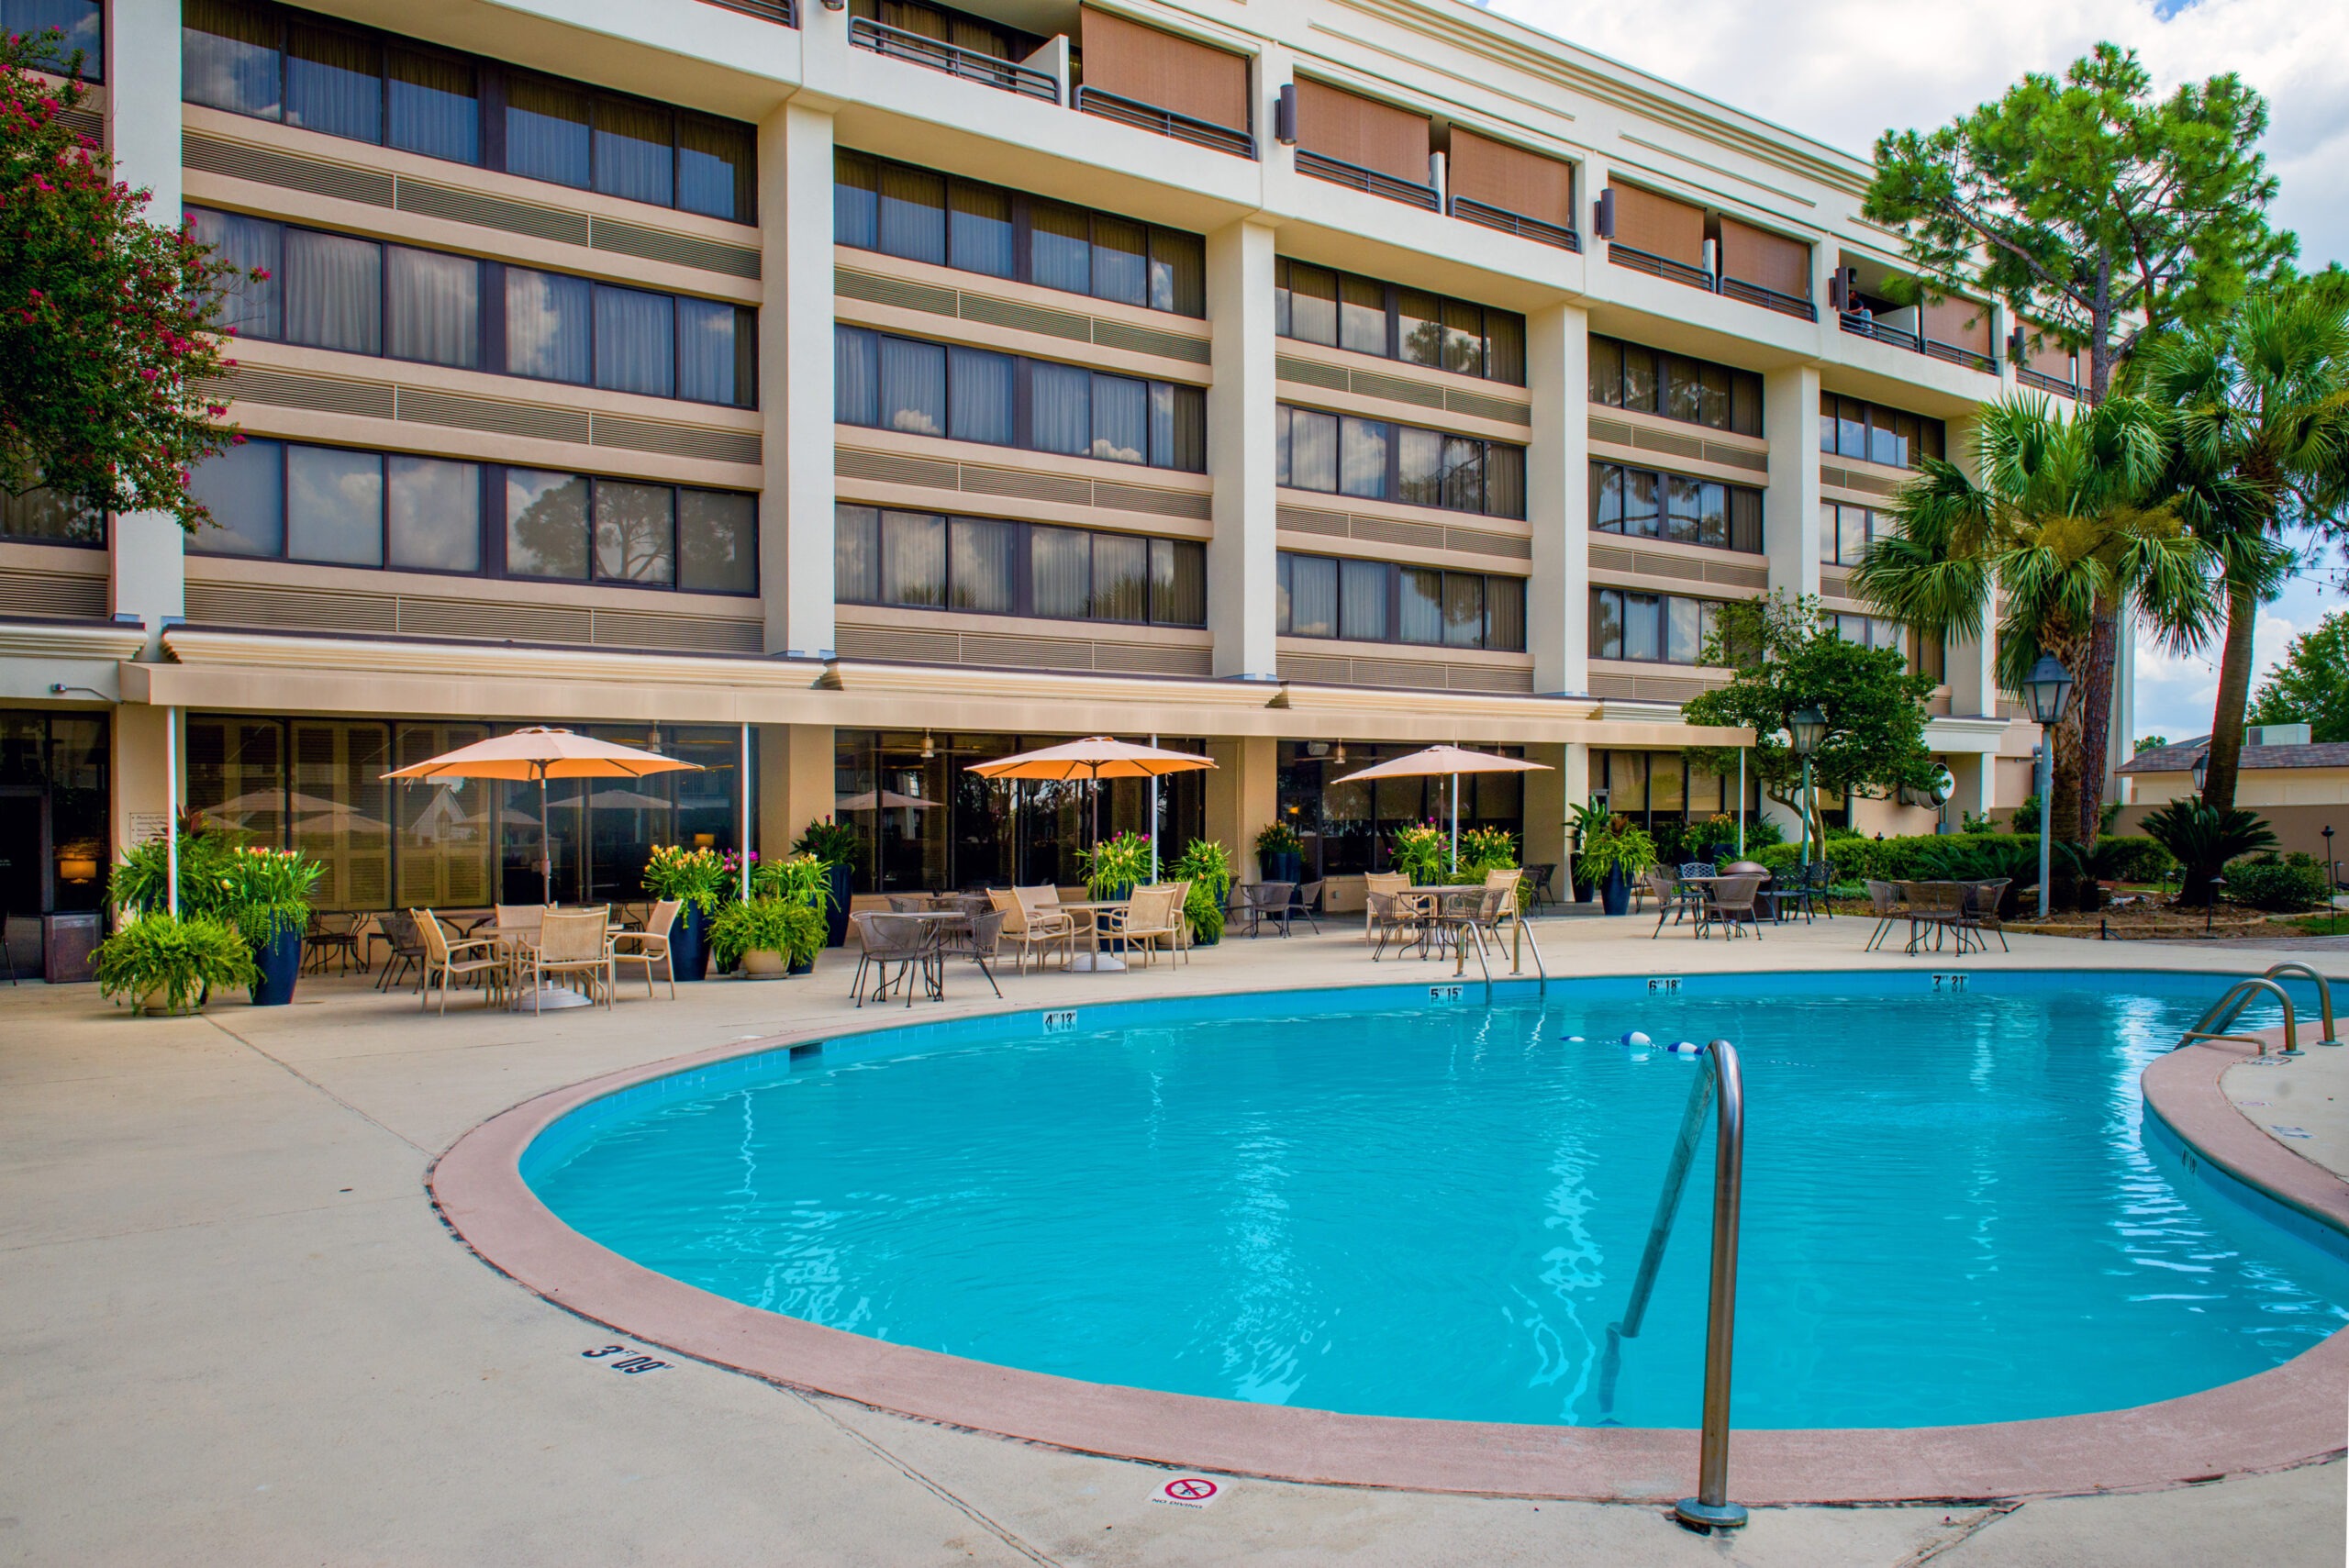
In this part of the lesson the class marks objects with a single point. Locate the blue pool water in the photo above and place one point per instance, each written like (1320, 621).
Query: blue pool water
(1372, 1202)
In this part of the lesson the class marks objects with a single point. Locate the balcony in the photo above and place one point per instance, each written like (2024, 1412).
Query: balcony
(1769, 299)
(1861, 324)
(967, 63)
(1165, 122)
(2045, 383)
(1337, 171)
(1470, 210)
(1696, 277)
(784, 13)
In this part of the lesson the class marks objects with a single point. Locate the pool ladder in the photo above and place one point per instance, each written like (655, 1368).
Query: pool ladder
(1722, 1079)
(2214, 1024)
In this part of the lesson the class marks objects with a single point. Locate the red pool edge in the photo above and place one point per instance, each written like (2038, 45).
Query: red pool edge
(2291, 1415)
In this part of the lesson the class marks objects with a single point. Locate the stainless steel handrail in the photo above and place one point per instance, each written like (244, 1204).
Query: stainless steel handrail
(2212, 1025)
(2323, 993)
(1723, 1081)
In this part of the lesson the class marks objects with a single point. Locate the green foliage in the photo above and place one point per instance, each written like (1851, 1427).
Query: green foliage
(1422, 852)
(2149, 743)
(834, 843)
(2204, 840)
(2286, 885)
(1969, 823)
(180, 957)
(2092, 209)
(1119, 862)
(1618, 846)
(259, 891)
(2026, 816)
(1965, 856)
(793, 928)
(1788, 657)
(805, 880)
(1486, 849)
(2312, 685)
(110, 324)
(701, 879)
(1206, 864)
(1278, 839)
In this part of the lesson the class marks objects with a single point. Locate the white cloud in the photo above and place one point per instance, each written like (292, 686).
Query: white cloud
(1843, 71)
(2175, 693)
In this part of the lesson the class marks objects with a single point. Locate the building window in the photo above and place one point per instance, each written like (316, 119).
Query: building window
(1872, 433)
(1641, 502)
(1650, 628)
(1845, 532)
(291, 501)
(1697, 392)
(1378, 601)
(975, 395)
(921, 216)
(1655, 788)
(1378, 460)
(277, 63)
(1923, 655)
(80, 22)
(44, 516)
(985, 567)
(328, 291)
(1316, 305)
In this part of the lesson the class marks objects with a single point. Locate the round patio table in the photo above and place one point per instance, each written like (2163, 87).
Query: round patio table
(1090, 910)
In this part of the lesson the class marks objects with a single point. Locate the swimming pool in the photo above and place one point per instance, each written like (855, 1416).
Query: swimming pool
(1386, 1202)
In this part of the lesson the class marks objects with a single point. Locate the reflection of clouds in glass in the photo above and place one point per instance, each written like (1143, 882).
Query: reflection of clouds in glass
(546, 533)
(914, 422)
(546, 326)
(1110, 451)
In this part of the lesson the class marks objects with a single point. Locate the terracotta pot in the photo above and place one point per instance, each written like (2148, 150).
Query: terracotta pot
(759, 963)
(157, 1004)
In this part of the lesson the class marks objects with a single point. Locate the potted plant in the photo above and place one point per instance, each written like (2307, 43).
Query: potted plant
(1422, 852)
(1206, 866)
(268, 897)
(768, 937)
(1484, 850)
(166, 963)
(1720, 838)
(698, 879)
(1612, 856)
(1585, 821)
(841, 848)
(1280, 853)
(1114, 867)
(806, 881)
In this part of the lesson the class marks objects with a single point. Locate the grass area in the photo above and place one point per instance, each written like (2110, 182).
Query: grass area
(2333, 925)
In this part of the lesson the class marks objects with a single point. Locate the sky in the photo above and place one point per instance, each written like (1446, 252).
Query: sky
(1844, 71)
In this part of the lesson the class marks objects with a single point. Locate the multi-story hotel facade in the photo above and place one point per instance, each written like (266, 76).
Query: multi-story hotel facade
(841, 396)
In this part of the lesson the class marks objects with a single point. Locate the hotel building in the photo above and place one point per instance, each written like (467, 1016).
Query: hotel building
(840, 395)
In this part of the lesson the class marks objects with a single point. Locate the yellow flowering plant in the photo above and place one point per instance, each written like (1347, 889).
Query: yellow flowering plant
(698, 879)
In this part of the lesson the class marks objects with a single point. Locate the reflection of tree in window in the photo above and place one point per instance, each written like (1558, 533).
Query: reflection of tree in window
(635, 532)
(546, 528)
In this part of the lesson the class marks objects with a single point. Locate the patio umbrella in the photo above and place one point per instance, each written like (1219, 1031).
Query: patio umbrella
(884, 800)
(1091, 760)
(1437, 762)
(541, 753)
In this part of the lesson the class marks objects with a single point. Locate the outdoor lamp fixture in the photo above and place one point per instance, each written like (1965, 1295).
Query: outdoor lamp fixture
(2211, 910)
(1808, 731)
(928, 747)
(2332, 881)
(2201, 771)
(2049, 691)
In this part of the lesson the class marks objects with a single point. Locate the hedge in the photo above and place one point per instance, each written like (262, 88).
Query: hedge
(2118, 857)
(2287, 885)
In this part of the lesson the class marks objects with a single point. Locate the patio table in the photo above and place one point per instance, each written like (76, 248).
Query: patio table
(1088, 913)
(1765, 893)
(936, 924)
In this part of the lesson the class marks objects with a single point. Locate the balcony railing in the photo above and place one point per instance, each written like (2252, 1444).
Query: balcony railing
(1957, 356)
(1861, 325)
(1517, 223)
(1165, 122)
(2045, 383)
(1768, 299)
(955, 61)
(782, 12)
(1656, 266)
(1321, 166)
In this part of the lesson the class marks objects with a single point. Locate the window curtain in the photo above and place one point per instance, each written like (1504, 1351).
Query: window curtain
(1504, 614)
(856, 376)
(1463, 609)
(717, 541)
(715, 169)
(981, 234)
(1463, 475)
(1178, 582)
(1361, 608)
(247, 244)
(856, 201)
(333, 292)
(230, 57)
(1120, 419)
(913, 560)
(1362, 316)
(1505, 481)
(1419, 466)
(913, 387)
(636, 346)
(1312, 450)
(1178, 273)
(984, 395)
(435, 106)
(435, 306)
(710, 349)
(1312, 305)
(913, 214)
(981, 556)
(334, 506)
(546, 131)
(1120, 261)
(856, 555)
(433, 513)
(1423, 605)
(549, 326)
(1060, 418)
(635, 151)
(1121, 577)
(1060, 253)
(1312, 597)
(635, 532)
(1178, 427)
(334, 83)
(1362, 458)
(1061, 571)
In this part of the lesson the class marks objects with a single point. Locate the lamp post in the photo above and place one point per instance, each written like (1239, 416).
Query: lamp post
(2331, 881)
(2201, 771)
(2049, 691)
(1807, 729)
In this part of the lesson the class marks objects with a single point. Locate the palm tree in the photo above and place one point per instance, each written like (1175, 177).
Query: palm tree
(2260, 413)
(2061, 528)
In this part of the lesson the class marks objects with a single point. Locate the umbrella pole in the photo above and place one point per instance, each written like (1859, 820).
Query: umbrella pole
(1455, 822)
(1154, 821)
(546, 841)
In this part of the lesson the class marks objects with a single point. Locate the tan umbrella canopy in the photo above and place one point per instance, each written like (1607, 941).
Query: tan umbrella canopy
(1437, 762)
(884, 800)
(1093, 759)
(540, 753)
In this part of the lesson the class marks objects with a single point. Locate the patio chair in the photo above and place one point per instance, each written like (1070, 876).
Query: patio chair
(447, 960)
(648, 947)
(1153, 916)
(1884, 903)
(1539, 876)
(1808, 894)
(1262, 901)
(1673, 900)
(1301, 907)
(330, 932)
(1036, 928)
(1699, 868)
(1979, 912)
(1730, 902)
(405, 939)
(571, 942)
(8, 955)
(1933, 906)
(1378, 890)
(910, 903)
(979, 941)
(884, 940)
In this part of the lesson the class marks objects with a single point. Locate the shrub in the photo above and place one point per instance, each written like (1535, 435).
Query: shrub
(1618, 847)
(805, 880)
(2204, 841)
(2285, 886)
(1206, 866)
(2130, 857)
(789, 926)
(184, 959)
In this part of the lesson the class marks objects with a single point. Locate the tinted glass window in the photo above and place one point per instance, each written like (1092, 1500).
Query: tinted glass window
(334, 82)
(636, 344)
(435, 105)
(433, 515)
(245, 489)
(717, 541)
(716, 168)
(550, 326)
(334, 506)
(333, 292)
(635, 151)
(912, 214)
(980, 231)
(547, 135)
(545, 524)
(230, 57)
(635, 532)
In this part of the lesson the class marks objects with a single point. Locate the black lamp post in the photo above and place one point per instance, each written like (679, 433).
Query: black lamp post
(1808, 730)
(2211, 910)
(2331, 883)
(2201, 771)
(2049, 691)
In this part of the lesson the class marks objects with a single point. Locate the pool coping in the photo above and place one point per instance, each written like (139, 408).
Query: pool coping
(2287, 1416)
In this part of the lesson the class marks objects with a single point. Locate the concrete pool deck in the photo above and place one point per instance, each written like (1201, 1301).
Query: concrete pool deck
(238, 1331)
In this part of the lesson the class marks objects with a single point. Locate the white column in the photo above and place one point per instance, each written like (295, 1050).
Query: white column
(1557, 498)
(1241, 450)
(1973, 665)
(795, 379)
(1790, 505)
(147, 549)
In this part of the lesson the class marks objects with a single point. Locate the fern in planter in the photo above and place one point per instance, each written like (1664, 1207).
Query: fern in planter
(176, 959)
(1123, 862)
(791, 929)
(1616, 847)
(1206, 866)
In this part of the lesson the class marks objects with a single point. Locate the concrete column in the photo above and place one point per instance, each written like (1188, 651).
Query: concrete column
(1790, 505)
(795, 379)
(147, 549)
(1242, 796)
(1573, 789)
(1545, 811)
(1557, 494)
(1975, 777)
(795, 782)
(1973, 664)
(1241, 457)
(139, 810)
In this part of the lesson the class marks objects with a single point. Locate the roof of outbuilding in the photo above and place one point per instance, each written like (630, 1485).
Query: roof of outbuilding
(2179, 759)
